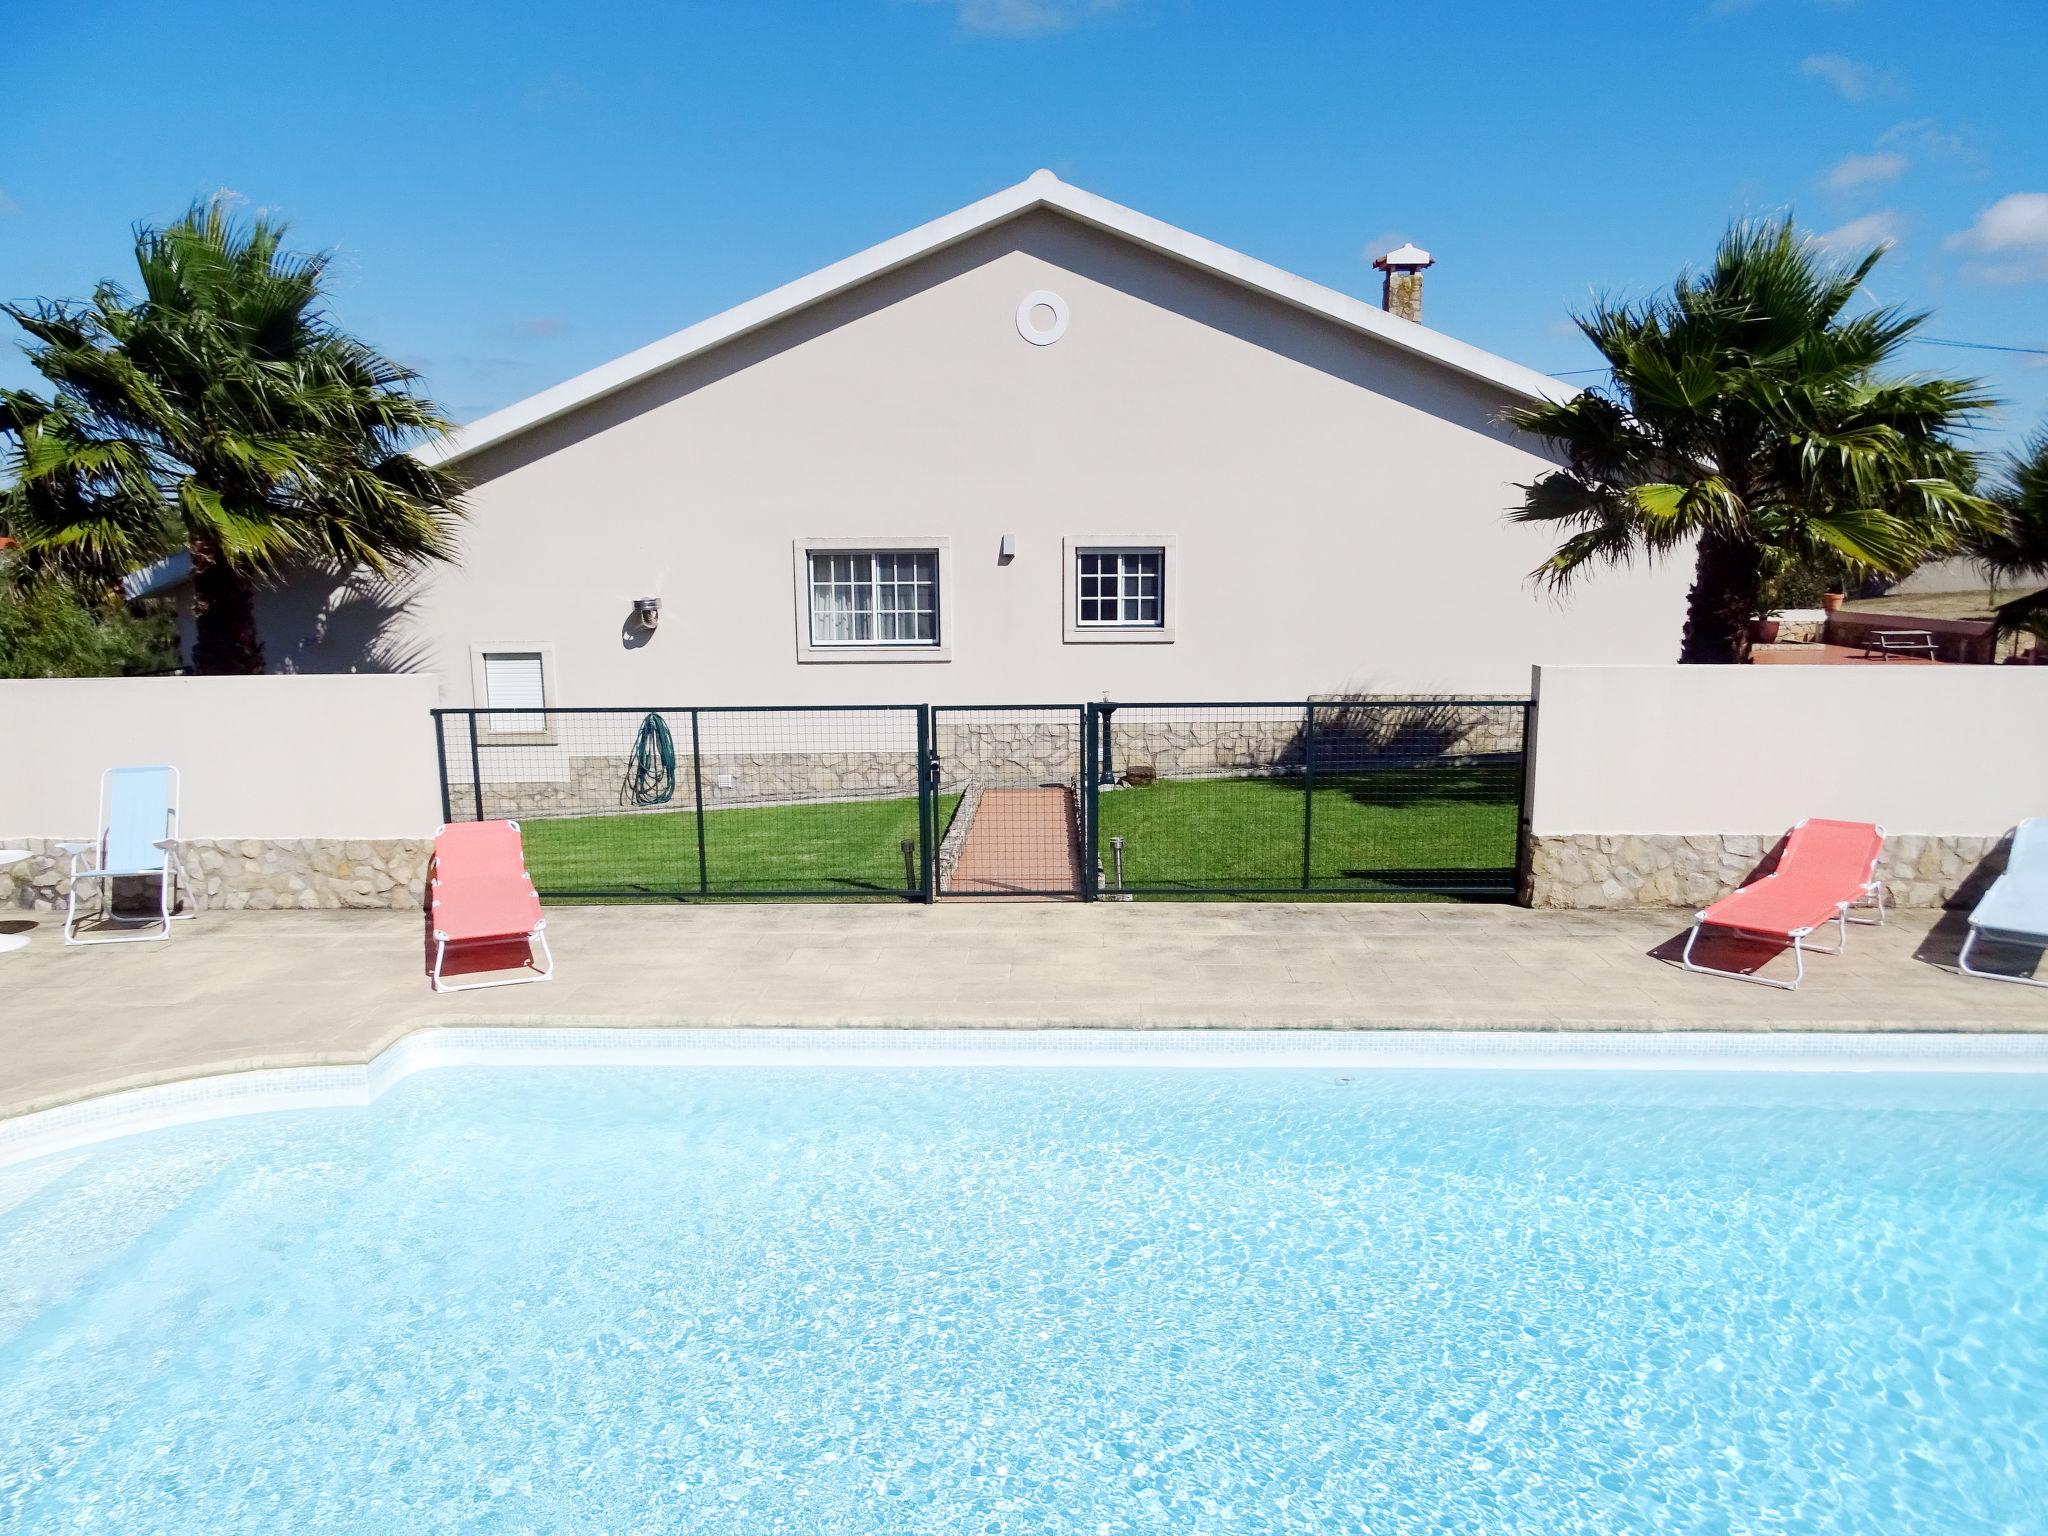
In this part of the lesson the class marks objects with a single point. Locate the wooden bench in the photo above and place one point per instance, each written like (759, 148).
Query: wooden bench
(1900, 642)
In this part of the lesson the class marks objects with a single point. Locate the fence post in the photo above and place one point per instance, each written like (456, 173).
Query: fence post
(1524, 839)
(1091, 803)
(927, 795)
(1308, 799)
(697, 785)
(476, 770)
(441, 760)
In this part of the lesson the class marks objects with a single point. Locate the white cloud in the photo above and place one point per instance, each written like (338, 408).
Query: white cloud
(1926, 138)
(1022, 18)
(1859, 235)
(1386, 240)
(1853, 171)
(2013, 232)
(2016, 222)
(1851, 78)
(542, 325)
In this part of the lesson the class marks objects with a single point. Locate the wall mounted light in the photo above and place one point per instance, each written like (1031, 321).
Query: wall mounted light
(1007, 550)
(647, 611)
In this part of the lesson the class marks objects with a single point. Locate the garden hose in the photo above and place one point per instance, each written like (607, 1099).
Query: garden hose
(651, 775)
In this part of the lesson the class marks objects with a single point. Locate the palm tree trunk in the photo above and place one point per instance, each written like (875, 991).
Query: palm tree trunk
(224, 640)
(1727, 584)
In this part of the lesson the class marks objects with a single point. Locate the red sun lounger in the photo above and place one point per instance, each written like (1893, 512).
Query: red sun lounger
(481, 894)
(1827, 867)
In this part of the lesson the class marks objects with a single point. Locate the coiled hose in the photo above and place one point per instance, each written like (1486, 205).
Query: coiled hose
(651, 775)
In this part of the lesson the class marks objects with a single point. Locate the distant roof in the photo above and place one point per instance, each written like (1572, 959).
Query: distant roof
(1041, 189)
(173, 571)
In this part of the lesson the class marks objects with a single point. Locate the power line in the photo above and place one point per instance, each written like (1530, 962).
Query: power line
(1925, 341)
(1976, 346)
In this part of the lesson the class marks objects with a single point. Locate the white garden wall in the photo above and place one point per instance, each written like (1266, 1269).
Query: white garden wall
(1655, 785)
(296, 791)
(260, 757)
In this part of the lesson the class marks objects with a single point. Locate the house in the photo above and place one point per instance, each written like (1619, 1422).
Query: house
(1045, 449)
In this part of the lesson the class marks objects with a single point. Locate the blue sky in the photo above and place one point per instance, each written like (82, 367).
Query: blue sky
(521, 190)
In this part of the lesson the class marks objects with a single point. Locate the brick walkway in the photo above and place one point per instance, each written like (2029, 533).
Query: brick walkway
(1830, 656)
(1023, 841)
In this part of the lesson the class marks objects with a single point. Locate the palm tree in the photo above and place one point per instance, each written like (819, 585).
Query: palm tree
(1750, 419)
(2019, 549)
(219, 412)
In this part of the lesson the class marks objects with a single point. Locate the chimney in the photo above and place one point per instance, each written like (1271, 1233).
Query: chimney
(1402, 294)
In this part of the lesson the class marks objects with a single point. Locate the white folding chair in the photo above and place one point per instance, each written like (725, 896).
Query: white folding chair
(138, 840)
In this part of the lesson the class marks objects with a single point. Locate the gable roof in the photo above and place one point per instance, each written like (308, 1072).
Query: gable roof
(1041, 189)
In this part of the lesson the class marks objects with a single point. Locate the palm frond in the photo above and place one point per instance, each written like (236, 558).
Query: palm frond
(1749, 406)
(220, 406)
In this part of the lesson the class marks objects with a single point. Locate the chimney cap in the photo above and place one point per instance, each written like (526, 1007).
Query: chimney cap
(1408, 258)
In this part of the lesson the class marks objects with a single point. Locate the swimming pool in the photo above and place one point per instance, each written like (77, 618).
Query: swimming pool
(1060, 1299)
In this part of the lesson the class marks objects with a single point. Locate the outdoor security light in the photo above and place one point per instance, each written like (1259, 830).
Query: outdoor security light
(647, 611)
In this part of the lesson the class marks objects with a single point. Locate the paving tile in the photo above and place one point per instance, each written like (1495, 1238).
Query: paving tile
(234, 988)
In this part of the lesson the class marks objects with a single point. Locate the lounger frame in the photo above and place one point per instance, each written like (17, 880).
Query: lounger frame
(2027, 848)
(538, 935)
(1999, 936)
(1871, 888)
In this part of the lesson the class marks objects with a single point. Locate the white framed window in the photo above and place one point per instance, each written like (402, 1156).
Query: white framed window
(512, 680)
(506, 680)
(879, 599)
(1121, 589)
(874, 596)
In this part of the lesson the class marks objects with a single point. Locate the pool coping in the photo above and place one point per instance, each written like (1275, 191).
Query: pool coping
(264, 1089)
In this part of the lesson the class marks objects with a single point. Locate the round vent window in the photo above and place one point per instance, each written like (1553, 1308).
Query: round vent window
(1042, 318)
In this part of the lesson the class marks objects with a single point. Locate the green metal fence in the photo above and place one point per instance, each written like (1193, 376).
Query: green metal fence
(1387, 798)
(692, 803)
(1376, 798)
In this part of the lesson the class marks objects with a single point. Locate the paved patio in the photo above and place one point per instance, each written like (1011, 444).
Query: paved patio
(232, 991)
(1818, 655)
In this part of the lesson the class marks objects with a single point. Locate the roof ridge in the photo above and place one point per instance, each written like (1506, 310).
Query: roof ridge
(1042, 188)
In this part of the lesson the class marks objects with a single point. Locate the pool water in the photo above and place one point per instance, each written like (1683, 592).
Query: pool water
(1015, 1299)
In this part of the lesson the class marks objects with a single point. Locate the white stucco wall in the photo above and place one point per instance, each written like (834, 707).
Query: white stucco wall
(1336, 505)
(259, 757)
(1921, 750)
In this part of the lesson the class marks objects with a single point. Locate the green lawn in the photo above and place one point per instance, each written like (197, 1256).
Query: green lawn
(1442, 827)
(854, 847)
(1393, 834)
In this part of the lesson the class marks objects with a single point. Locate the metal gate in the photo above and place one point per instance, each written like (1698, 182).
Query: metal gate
(1384, 798)
(1010, 780)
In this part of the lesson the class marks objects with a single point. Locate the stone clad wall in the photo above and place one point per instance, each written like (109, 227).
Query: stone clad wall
(594, 785)
(1210, 744)
(1610, 870)
(998, 752)
(261, 874)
